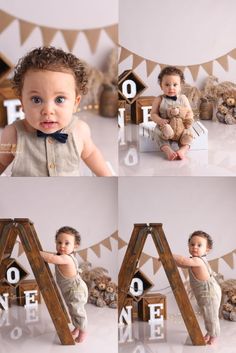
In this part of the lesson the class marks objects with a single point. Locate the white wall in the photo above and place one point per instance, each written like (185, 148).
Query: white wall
(75, 14)
(182, 205)
(180, 33)
(88, 204)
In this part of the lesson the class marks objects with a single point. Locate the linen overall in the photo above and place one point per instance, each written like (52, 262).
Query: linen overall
(37, 156)
(165, 104)
(208, 296)
(75, 293)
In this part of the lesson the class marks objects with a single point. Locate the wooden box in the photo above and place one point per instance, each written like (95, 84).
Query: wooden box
(6, 288)
(151, 298)
(6, 92)
(130, 86)
(29, 284)
(12, 272)
(5, 66)
(140, 109)
(146, 285)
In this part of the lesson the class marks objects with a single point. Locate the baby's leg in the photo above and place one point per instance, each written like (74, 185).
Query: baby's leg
(170, 154)
(181, 153)
(75, 332)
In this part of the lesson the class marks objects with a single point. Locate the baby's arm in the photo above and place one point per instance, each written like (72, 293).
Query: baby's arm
(55, 259)
(91, 155)
(7, 146)
(155, 112)
(185, 262)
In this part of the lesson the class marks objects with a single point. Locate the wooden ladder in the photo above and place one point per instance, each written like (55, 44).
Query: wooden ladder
(24, 228)
(129, 265)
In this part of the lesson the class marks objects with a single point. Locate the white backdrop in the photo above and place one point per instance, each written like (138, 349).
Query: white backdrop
(182, 32)
(182, 205)
(75, 14)
(87, 204)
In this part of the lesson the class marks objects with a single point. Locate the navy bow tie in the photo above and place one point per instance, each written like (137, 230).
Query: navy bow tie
(59, 136)
(174, 98)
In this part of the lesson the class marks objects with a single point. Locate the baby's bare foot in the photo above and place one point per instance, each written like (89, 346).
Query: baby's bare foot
(212, 341)
(81, 337)
(170, 154)
(181, 153)
(75, 332)
(206, 337)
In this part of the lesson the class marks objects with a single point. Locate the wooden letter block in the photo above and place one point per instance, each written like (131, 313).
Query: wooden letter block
(140, 284)
(141, 108)
(6, 288)
(27, 285)
(130, 86)
(151, 298)
(12, 272)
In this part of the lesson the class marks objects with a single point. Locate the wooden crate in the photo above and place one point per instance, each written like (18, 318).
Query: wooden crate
(130, 76)
(6, 265)
(29, 284)
(6, 92)
(6, 288)
(151, 298)
(140, 107)
(147, 284)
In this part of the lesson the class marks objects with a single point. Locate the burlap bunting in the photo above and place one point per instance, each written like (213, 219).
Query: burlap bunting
(194, 69)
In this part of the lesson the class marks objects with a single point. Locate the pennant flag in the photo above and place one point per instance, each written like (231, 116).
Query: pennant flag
(137, 60)
(121, 243)
(124, 54)
(6, 20)
(69, 37)
(26, 28)
(143, 259)
(223, 61)
(96, 249)
(208, 67)
(112, 32)
(233, 53)
(156, 264)
(229, 259)
(107, 243)
(92, 36)
(214, 265)
(150, 66)
(194, 69)
(115, 235)
(48, 34)
(83, 254)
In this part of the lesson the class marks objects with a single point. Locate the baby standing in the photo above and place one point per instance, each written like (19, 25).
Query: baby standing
(73, 288)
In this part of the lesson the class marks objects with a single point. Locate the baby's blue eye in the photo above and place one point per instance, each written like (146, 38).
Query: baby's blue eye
(60, 99)
(36, 100)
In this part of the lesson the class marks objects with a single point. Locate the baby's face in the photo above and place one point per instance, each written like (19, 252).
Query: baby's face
(171, 85)
(65, 243)
(49, 99)
(198, 246)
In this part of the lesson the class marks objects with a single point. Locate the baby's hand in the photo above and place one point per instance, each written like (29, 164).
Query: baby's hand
(163, 122)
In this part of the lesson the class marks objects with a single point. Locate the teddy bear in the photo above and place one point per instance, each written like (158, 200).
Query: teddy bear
(110, 295)
(178, 127)
(226, 111)
(96, 298)
(229, 308)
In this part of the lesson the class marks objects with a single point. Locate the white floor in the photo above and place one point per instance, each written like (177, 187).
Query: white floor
(21, 334)
(219, 160)
(172, 338)
(104, 132)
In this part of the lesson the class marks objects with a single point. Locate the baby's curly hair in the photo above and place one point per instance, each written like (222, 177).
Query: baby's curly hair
(52, 59)
(200, 233)
(171, 70)
(71, 231)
